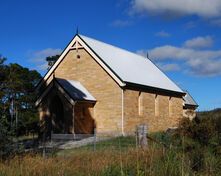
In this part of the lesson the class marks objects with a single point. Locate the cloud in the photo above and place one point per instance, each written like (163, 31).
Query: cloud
(168, 67)
(121, 23)
(206, 67)
(38, 57)
(180, 53)
(199, 42)
(205, 8)
(162, 34)
(191, 60)
(169, 52)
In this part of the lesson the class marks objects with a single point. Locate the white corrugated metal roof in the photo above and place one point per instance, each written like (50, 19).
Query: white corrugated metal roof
(189, 99)
(75, 89)
(131, 67)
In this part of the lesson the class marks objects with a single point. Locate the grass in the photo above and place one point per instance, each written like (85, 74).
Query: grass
(83, 162)
(115, 144)
(194, 149)
(118, 156)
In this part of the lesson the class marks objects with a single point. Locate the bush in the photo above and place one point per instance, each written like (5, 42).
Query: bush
(199, 129)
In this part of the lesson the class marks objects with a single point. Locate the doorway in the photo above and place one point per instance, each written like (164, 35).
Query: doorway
(57, 115)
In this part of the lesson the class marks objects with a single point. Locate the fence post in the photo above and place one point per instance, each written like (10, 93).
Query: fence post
(145, 142)
(141, 137)
(95, 135)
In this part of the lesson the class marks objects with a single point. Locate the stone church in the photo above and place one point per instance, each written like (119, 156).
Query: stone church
(97, 85)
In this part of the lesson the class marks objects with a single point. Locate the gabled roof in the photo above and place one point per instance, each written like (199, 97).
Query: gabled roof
(188, 100)
(76, 90)
(72, 90)
(123, 66)
(131, 67)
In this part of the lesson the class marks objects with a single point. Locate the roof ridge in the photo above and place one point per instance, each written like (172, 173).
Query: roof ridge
(115, 46)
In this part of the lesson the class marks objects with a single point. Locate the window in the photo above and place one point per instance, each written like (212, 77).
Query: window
(170, 106)
(140, 104)
(156, 105)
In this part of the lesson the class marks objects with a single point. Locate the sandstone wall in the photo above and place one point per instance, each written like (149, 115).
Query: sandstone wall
(107, 110)
(159, 111)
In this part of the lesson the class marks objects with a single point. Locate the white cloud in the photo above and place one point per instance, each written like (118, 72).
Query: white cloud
(38, 57)
(206, 67)
(179, 53)
(191, 60)
(162, 34)
(121, 23)
(168, 67)
(199, 42)
(170, 52)
(202, 8)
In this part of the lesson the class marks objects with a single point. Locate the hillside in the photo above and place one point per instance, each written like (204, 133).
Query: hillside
(212, 113)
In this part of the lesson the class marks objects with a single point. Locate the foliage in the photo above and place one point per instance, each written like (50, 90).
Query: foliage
(198, 140)
(51, 60)
(204, 129)
(18, 115)
(17, 96)
(5, 137)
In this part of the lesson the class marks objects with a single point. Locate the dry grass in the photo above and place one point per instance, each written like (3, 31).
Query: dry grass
(116, 157)
(104, 162)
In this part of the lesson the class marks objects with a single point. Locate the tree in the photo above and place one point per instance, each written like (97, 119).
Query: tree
(3, 77)
(5, 132)
(51, 60)
(17, 96)
(18, 115)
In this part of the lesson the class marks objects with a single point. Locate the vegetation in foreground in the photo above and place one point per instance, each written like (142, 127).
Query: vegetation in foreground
(18, 116)
(193, 149)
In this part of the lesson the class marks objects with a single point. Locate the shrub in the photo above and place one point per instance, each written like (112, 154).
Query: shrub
(201, 130)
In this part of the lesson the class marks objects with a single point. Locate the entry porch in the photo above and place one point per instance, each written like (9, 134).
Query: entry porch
(66, 110)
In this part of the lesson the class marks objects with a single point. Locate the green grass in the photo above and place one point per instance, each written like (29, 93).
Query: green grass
(115, 144)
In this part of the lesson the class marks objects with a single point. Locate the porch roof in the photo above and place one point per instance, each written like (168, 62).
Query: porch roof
(75, 90)
(188, 100)
(72, 90)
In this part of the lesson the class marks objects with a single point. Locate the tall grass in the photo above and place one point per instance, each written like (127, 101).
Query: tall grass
(103, 162)
(154, 160)
(194, 149)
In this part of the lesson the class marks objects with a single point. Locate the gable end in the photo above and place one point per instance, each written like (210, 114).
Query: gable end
(73, 45)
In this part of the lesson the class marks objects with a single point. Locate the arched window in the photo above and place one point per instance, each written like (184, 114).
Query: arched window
(157, 105)
(170, 106)
(140, 103)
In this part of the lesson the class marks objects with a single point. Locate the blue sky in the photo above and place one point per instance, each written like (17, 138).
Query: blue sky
(183, 37)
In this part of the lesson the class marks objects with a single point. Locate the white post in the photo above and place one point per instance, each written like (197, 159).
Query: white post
(122, 111)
